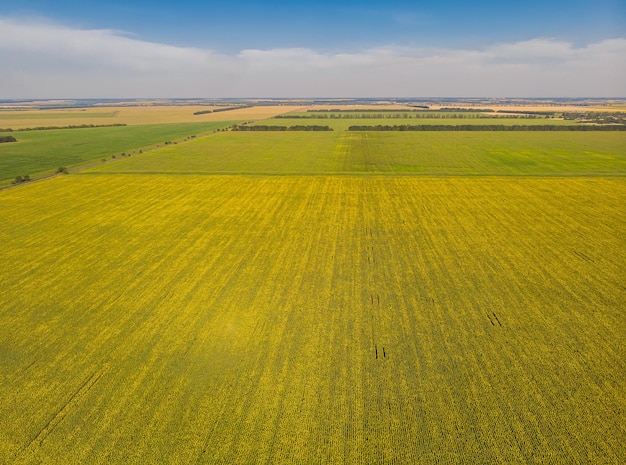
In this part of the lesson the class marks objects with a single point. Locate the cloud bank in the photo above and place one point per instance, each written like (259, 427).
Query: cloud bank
(42, 60)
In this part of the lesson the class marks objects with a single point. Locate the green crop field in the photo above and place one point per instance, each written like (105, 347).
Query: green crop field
(343, 121)
(44, 151)
(383, 298)
(432, 153)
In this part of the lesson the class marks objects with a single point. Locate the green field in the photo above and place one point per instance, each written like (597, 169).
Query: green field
(415, 115)
(383, 298)
(428, 153)
(44, 151)
(343, 122)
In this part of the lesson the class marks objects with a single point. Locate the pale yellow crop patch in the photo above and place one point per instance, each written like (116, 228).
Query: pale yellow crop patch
(131, 115)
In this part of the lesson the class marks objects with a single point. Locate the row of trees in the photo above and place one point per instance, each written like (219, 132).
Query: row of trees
(418, 108)
(405, 115)
(73, 126)
(7, 139)
(530, 112)
(262, 127)
(489, 127)
(26, 177)
(217, 110)
(21, 179)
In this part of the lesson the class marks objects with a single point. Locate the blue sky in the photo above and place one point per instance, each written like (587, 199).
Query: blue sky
(333, 40)
(336, 25)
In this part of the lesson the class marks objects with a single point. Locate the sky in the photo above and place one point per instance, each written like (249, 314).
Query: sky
(291, 49)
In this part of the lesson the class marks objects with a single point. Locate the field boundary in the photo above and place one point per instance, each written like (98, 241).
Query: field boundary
(352, 174)
(75, 169)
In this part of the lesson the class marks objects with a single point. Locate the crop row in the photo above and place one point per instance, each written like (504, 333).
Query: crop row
(295, 319)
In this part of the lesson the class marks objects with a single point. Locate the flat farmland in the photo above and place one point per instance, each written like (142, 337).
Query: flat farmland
(132, 115)
(313, 319)
(318, 297)
(343, 121)
(426, 153)
(42, 152)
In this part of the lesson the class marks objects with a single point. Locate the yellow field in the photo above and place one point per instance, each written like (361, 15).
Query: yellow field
(131, 115)
(313, 319)
(176, 114)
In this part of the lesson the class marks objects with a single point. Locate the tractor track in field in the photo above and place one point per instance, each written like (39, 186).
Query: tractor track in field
(58, 416)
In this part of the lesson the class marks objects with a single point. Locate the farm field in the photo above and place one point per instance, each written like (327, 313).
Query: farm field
(342, 122)
(299, 319)
(132, 115)
(428, 153)
(313, 297)
(42, 152)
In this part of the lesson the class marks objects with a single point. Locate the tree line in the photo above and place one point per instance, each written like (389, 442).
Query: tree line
(406, 115)
(364, 110)
(7, 139)
(217, 110)
(413, 109)
(263, 127)
(74, 126)
(489, 127)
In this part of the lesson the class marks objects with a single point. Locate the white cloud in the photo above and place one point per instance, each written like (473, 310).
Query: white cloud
(47, 60)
